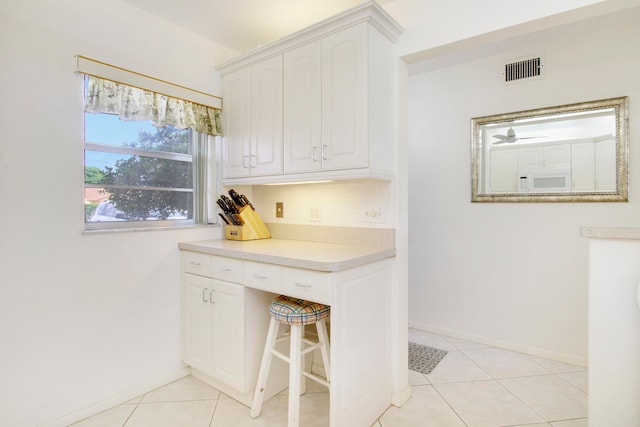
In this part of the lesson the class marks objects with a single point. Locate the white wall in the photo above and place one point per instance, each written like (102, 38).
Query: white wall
(511, 274)
(82, 317)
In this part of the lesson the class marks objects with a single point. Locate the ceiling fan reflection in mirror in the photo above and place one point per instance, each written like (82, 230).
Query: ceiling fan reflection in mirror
(511, 137)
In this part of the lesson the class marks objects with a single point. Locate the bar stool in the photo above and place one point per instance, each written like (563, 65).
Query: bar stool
(297, 313)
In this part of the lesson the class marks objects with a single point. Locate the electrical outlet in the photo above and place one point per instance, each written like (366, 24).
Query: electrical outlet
(373, 215)
(279, 210)
(315, 214)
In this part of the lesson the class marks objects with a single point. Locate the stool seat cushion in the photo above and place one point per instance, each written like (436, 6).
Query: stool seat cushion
(296, 311)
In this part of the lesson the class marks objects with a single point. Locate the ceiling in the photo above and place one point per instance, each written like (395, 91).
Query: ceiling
(243, 25)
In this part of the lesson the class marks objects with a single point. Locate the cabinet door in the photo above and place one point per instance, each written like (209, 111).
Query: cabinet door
(302, 109)
(557, 156)
(265, 157)
(228, 334)
(546, 157)
(582, 167)
(344, 99)
(502, 175)
(530, 158)
(196, 322)
(605, 154)
(237, 116)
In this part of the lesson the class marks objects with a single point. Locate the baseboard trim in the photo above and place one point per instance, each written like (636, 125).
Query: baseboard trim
(399, 399)
(533, 351)
(118, 399)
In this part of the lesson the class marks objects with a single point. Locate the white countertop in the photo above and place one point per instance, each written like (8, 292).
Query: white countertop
(294, 253)
(610, 232)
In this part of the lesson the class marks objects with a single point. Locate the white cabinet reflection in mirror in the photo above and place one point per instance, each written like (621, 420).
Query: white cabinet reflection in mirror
(569, 153)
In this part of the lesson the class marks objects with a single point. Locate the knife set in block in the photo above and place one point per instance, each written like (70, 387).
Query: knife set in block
(252, 227)
(243, 223)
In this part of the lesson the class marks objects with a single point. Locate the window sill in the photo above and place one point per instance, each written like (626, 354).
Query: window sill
(142, 229)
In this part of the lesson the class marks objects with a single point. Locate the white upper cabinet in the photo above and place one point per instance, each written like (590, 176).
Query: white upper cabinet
(237, 115)
(545, 157)
(325, 103)
(302, 109)
(253, 120)
(331, 113)
(344, 99)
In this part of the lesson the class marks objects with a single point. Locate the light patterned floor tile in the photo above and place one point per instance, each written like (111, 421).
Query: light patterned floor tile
(426, 408)
(314, 412)
(525, 394)
(501, 363)
(486, 404)
(465, 345)
(582, 422)
(432, 340)
(549, 396)
(578, 379)
(417, 378)
(134, 401)
(456, 367)
(187, 388)
(173, 414)
(556, 367)
(110, 418)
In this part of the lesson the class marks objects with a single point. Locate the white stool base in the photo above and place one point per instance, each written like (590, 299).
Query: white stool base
(296, 370)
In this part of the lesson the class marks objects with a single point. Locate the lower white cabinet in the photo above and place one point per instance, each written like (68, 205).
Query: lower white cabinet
(213, 313)
(225, 318)
(224, 324)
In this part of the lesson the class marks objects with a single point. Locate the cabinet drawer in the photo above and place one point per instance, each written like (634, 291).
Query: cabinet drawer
(307, 284)
(263, 276)
(196, 263)
(227, 269)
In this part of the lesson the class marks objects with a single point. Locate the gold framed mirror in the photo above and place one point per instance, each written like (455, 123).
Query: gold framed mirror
(568, 153)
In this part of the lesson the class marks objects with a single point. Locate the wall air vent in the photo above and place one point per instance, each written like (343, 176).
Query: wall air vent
(524, 69)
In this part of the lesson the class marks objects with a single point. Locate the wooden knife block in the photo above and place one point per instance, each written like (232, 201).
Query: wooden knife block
(252, 229)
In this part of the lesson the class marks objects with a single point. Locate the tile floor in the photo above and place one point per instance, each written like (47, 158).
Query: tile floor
(473, 386)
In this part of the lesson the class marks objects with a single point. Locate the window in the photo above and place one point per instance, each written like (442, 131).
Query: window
(146, 149)
(136, 172)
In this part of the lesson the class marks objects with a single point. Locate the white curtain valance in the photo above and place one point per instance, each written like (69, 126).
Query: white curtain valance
(132, 103)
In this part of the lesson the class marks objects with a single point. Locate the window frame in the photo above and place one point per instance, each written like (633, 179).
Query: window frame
(204, 146)
(199, 144)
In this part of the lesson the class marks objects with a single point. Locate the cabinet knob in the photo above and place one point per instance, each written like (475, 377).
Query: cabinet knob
(204, 293)
(211, 301)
